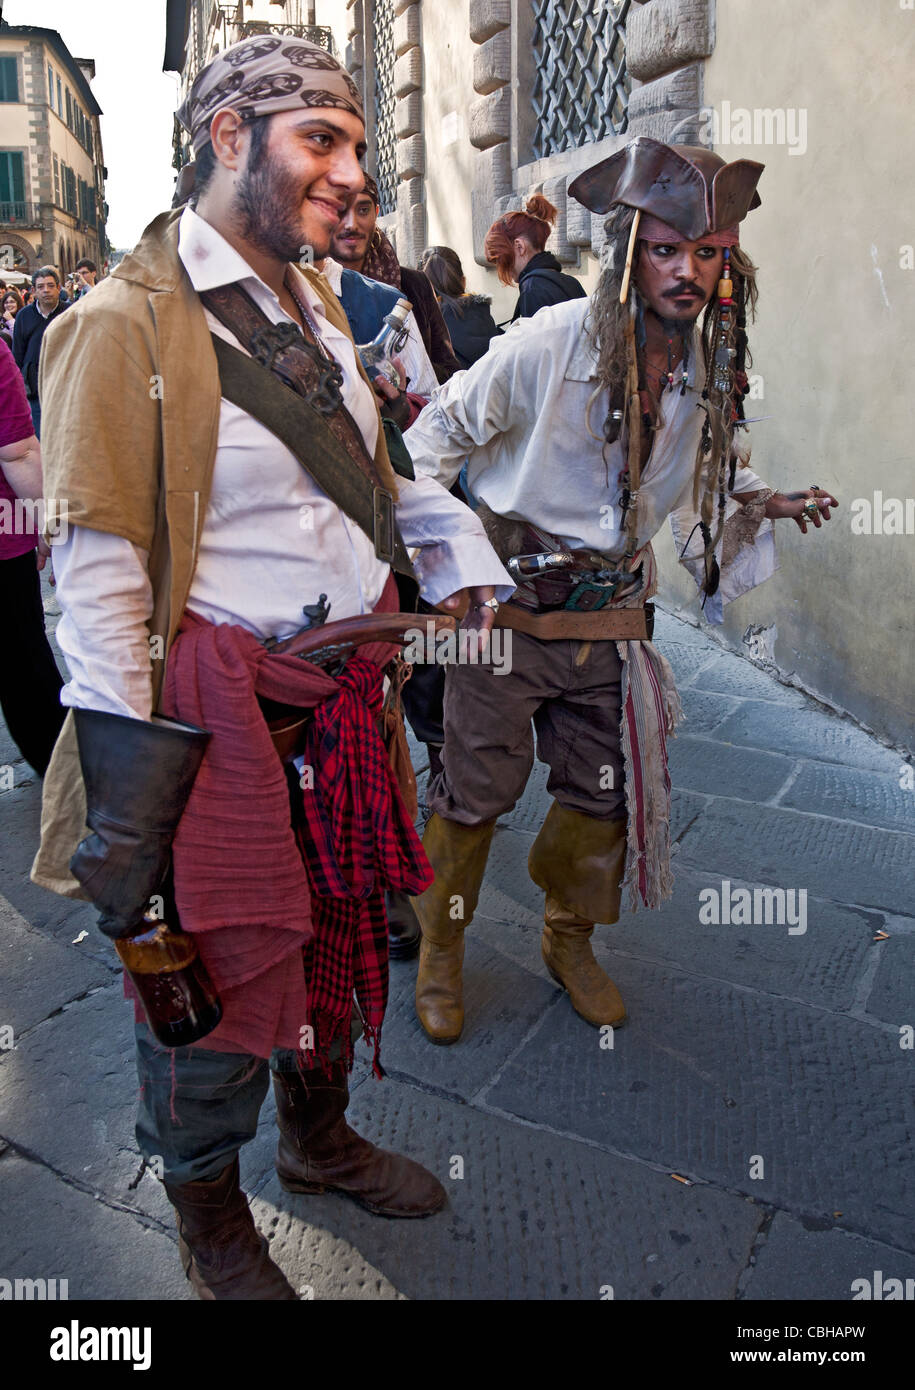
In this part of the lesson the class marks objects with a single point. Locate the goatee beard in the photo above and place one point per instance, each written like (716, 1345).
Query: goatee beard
(676, 327)
(266, 203)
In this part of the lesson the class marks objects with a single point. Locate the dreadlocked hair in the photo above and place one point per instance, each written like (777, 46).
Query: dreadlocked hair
(606, 322)
(716, 457)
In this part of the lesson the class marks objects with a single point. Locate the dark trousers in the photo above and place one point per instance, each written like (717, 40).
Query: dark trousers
(30, 682)
(197, 1107)
(423, 695)
(567, 692)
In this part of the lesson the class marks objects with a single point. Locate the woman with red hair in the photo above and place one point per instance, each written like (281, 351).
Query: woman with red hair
(514, 245)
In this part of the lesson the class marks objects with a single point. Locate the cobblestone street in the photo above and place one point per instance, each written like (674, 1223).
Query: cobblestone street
(748, 1136)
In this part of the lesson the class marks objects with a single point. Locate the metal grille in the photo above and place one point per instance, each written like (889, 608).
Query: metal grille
(314, 33)
(581, 87)
(385, 142)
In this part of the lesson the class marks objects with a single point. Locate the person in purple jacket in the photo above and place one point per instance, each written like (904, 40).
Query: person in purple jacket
(30, 682)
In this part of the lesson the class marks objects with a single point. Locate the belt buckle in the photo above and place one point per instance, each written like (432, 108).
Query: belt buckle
(383, 515)
(587, 597)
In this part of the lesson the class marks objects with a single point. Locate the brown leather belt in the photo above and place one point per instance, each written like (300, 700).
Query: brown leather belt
(603, 624)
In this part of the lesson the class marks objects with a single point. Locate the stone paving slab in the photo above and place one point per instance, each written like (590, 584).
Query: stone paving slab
(892, 995)
(11, 757)
(68, 1094)
(838, 860)
(535, 1216)
(707, 710)
(669, 628)
(705, 1075)
(821, 967)
(712, 767)
(21, 812)
(849, 793)
(51, 1230)
(809, 733)
(735, 676)
(797, 1262)
(39, 974)
(686, 660)
(502, 1002)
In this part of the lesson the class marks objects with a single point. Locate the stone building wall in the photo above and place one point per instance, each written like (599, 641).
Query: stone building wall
(832, 239)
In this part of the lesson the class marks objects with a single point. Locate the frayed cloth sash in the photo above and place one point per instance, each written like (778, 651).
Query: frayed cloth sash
(241, 885)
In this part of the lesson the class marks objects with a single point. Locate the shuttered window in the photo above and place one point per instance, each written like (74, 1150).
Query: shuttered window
(9, 79)
(12, 187)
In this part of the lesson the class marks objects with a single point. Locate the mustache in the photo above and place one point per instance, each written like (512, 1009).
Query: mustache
(680, 290)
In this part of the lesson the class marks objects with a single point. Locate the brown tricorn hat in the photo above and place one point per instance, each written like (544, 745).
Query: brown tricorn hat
(686, 186)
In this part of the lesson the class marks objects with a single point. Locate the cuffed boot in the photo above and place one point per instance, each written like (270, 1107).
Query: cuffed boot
(319, 1152)
(567, 955)
(458, 855)
(223, 1255)
(579, 861)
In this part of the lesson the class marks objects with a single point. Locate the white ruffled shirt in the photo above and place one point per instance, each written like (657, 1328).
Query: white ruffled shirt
(520, 415)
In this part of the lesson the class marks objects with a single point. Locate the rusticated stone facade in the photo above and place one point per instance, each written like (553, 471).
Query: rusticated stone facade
(666, 41)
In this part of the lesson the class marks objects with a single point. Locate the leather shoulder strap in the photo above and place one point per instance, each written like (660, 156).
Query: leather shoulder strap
(260, 393)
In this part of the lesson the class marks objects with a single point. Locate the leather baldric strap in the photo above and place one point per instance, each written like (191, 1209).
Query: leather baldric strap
(606, 624)
(291, 386)
(302, 429)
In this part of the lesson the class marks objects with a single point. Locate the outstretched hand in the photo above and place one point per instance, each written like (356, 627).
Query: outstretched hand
(795, 506)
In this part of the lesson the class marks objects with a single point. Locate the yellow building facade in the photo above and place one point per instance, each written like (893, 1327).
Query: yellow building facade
(52, 200)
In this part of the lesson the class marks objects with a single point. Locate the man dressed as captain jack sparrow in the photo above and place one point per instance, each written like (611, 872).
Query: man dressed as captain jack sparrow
(584, 429)
(203, 511)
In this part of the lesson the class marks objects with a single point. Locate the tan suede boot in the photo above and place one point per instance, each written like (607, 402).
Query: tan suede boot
(567, 955)
(458, 855)
(579, 860)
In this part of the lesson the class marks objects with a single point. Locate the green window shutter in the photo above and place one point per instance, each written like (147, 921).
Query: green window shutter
(9, 79)
(12, 178)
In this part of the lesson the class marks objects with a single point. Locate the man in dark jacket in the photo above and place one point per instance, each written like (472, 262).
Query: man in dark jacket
(31, 323)
(359, 245)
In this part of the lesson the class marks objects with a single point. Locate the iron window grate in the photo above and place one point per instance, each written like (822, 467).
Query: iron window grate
(385, 142)
(581, 87)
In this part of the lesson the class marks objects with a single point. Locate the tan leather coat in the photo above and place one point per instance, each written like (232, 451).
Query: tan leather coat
(130, 413)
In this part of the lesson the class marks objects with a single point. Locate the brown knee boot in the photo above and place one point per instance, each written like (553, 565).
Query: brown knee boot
(579, 861)
(223, 1255)
(458, 856)
(318, 1152)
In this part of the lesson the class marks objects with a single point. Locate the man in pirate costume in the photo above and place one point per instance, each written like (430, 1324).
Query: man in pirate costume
(235, 467)
(585, 428)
